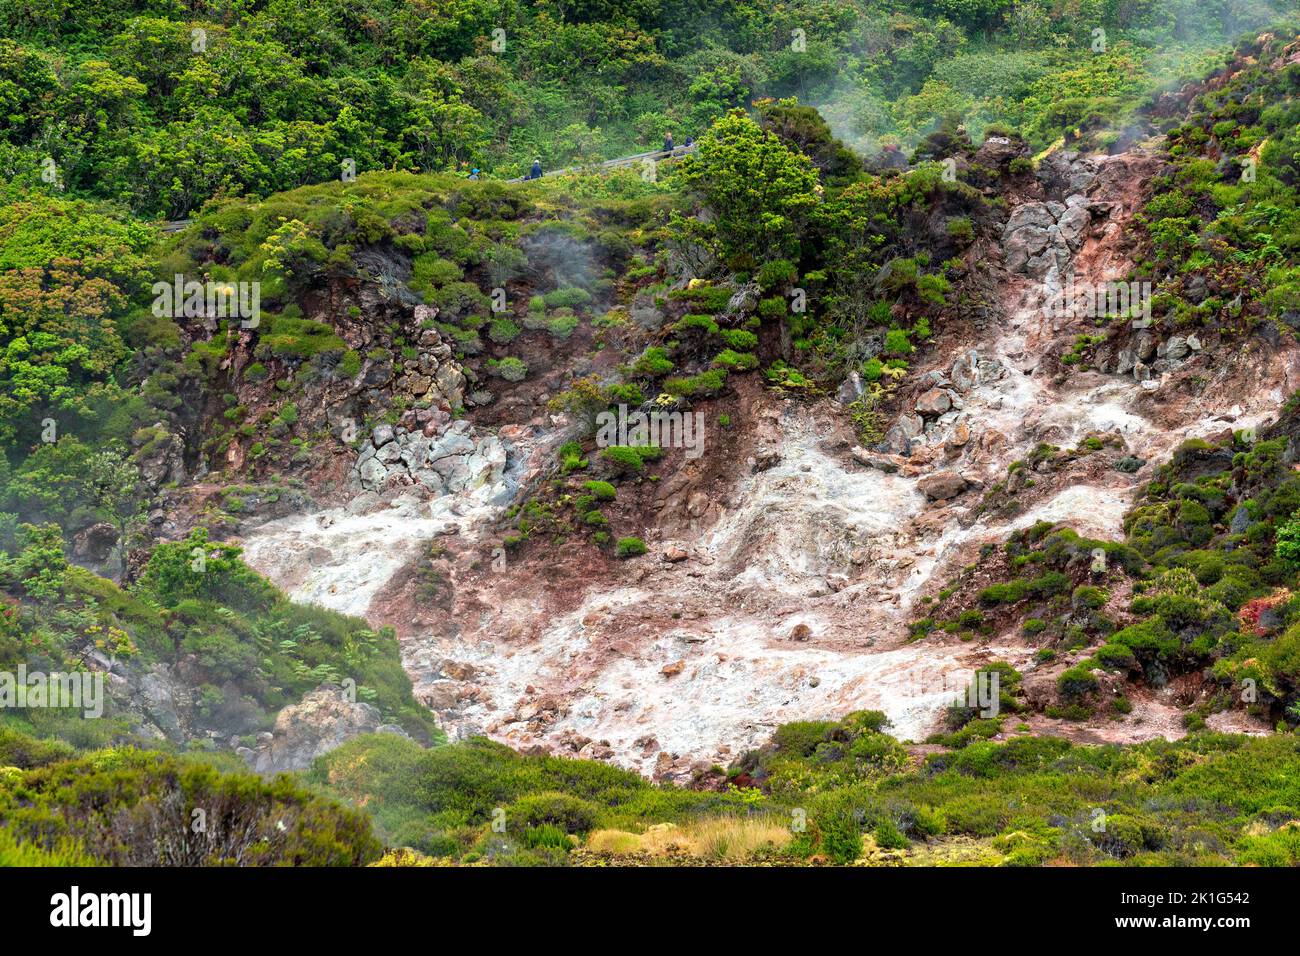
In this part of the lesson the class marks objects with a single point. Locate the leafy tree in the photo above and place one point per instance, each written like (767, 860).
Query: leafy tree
(40, 565)
(760, 192)
(66, 276)
(199, 568)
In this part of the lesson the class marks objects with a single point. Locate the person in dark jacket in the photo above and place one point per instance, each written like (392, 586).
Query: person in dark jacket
(668, 142)
(536, 171)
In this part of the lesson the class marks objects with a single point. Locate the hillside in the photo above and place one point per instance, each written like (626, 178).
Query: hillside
(904, 475)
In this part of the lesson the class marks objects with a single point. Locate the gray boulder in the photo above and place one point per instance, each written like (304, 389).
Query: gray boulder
(323, 720)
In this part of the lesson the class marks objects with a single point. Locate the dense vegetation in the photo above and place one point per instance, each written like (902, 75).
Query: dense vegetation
(1201, 582)
(159, 105)
(127, 807)
(841, 791)
(250, 650)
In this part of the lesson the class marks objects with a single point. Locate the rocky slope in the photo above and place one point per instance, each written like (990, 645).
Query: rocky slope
(784, 568)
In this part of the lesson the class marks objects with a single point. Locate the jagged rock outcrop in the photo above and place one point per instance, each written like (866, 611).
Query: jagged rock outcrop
(162, 458)
(94, 544)
(323, 720)
(1041, 237)
(432, 375)
(997, 152)
(442, 456)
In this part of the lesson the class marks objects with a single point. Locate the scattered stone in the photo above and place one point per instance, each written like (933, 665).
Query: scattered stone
(1144, 346)
(997, 152)
(1073, 222)
(1240, 520)
(934, 402)
(95, 543)
(942, 485)
(372, 474)
(958, 439)
(897, 441)
(965, 372)
(1177, 347)
(878, 460)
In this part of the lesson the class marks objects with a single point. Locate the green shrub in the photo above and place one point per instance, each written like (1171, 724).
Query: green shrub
(624, 393)
(570, 455)
(629, 460)
(569, 298)
(888, 836)
(1149, 640)
(602, 490)
(114, 802)
(1077, 681)
(1087, 596)
(1116, 657)
(898, 343)
(1006, 593)
(652, 363)
(502, 331)
(562, 326)
(630, 547)
(800, 738)
(776, 274)
(1287, 539)
(706, 383)
(565, 811)
(960, 228)
(695, 321)
(742, 340)
(735, 361)
(509, 368)
(350, 364)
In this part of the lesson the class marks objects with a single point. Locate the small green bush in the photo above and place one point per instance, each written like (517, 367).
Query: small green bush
(630, 547)
(509, 368)
(602, 490)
